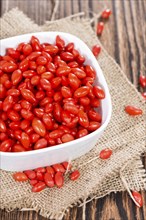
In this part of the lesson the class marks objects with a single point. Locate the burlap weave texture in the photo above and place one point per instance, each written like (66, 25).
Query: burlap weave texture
(125, 135)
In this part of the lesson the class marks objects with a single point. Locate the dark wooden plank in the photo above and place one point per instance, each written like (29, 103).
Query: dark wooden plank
(124, 40)
(39, 11)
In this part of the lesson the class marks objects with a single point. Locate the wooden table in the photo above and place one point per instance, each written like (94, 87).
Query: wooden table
(124, 40)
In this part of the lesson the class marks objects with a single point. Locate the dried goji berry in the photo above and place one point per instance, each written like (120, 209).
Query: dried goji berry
(142, 81)
(138, 198)
(96, 50)
(106, 13)
(59, 179)
(74, 175)
(49, 180)
(20, 176)
(133, 111)
(105, 153)
(67, 165)
(38, 186)
(100, 27)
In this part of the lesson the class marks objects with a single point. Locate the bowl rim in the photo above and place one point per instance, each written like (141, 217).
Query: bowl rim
(87, 137)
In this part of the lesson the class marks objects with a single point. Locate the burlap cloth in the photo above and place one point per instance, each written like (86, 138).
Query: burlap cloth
(124, 134)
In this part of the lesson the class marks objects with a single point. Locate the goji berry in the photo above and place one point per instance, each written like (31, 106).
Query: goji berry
(142, 81)
(74, 175)
(96, 50)
(100, 27)
(59, 179)
(106, 13)
(105, 153)
(20, 176)
(138, 198)
(38, 186)
(133, 111)
(49, 180)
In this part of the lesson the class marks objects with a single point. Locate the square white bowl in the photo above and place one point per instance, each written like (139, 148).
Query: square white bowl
(67, 151)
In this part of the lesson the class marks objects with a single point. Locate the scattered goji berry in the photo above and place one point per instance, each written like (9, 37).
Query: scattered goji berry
(100, 27)
(74, 175)
(106, 13)
(138, 198)
(105, 153)
(38, 186)
(59, 179)
(133, 111)
(144, 94)
(20, 176)
(142, 81)
(96, 50)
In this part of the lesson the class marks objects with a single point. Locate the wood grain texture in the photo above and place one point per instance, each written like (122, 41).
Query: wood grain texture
(124, 39)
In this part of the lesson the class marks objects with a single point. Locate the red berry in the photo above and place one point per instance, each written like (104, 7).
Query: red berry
(67, 137)
(33, 182)
(67, 165)
(106, 13)
(39, 127)
(83, 119)
(58, 168)
(3, 127)
(30, 174)
(98, 92)
(6, 145)
(50, 170)
(142, 81)
(20, 176)
(60, 42)
(138, 198)
(144, 94)
(96, 50)
(74, 175)
(59, 179)
(100, 27)
(105, 154)
(38, 186)
(49, 180)
(133, 111)
(41, 169)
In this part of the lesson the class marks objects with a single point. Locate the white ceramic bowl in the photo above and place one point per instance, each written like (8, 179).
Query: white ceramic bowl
(67, 151)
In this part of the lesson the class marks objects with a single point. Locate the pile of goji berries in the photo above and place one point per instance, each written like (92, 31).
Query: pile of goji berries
(50, 176)
(47, 96)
